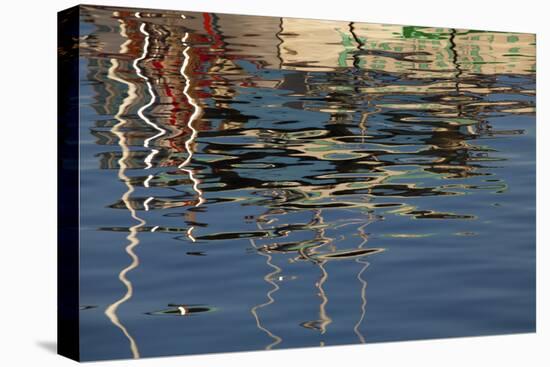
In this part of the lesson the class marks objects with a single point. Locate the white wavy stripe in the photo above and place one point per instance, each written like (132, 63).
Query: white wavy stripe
(140, 112)
(196, 113)
(111, 310)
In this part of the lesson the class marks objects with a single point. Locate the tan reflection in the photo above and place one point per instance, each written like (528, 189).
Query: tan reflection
(309, 253)
(275, 287)
(323, 45)
(323, 316)
(318, 255)
(132, 236)
(363, 282)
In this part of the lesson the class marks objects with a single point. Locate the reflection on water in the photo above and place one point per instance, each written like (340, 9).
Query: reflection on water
(262, 168)
(111, 310)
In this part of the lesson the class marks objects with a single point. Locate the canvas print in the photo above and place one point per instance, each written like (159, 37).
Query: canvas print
(235, 183)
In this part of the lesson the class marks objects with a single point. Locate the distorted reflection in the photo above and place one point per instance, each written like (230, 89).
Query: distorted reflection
(111, 310)
(266, 159)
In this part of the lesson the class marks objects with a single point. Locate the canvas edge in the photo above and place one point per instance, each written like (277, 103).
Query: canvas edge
(68, 341)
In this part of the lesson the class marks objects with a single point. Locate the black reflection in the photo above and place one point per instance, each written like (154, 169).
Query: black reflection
(182, 310)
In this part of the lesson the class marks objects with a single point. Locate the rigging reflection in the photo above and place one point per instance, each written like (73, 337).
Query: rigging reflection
(197, 111)
(111, 310)
(143, 108)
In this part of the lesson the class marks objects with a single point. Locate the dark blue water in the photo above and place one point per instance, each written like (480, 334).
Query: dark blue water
(263, 183)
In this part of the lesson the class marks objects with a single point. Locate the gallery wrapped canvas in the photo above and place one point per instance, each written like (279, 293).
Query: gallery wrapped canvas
(235, 183)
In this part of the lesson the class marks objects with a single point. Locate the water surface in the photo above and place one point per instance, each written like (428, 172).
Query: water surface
(263, 183)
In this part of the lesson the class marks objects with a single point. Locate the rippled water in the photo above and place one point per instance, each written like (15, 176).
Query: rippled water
(264, 183)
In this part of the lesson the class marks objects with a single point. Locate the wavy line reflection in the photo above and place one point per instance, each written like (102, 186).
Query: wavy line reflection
(320, 251)
(140, 112)
(132, 237)
(363, 282)
(194, 133)
(275, 287)
(325, 320)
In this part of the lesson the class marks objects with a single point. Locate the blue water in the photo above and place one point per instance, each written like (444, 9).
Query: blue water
(263, 183)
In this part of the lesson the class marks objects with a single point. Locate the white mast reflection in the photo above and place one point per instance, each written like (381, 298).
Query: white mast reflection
(111, 310)
(140, 112)
(197, 111)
